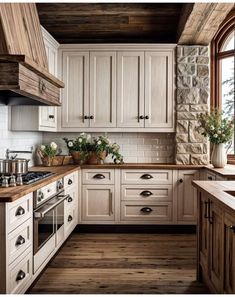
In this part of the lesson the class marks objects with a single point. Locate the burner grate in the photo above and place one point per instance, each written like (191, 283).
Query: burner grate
(34, 176)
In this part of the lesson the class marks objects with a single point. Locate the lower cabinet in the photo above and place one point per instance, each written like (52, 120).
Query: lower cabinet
(216, 243)
(98, 203)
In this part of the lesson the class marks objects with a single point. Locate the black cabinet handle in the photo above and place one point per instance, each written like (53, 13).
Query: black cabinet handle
(146, 209)
(91, 117)
(86, 117)
(232, 228)
(51, 116)
(146, 193)
(70, 218)
(70, 182)
(141, 117)
(206, 216)
(20, 240)
(20, 211)
(99, 176)
(146, 176)
(21, 275)
(181, 180)
(70, 199)
(146, 117)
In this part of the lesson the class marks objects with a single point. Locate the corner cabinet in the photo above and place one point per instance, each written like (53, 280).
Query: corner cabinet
(38, 118)
(117, 88)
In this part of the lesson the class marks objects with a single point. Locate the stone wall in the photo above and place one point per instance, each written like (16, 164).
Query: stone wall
(192, 99)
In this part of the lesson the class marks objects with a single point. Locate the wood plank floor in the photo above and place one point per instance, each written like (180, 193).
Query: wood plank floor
(123, 264)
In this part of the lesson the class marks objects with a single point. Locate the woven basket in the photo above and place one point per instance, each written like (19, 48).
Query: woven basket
(56, 161)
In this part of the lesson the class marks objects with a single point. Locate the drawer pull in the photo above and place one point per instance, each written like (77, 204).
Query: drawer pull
(20, 211)
(70, 182)
(146, 193)
(70, 199)
(146, 176)
(70, 218)
(209, 177)
(20, 240)
(181, 180)
(146, 209)
(99, 176)
(51, 116)
(141, 117)
(21, 275)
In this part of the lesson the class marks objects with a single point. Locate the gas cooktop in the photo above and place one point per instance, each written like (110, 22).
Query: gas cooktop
(34, 176)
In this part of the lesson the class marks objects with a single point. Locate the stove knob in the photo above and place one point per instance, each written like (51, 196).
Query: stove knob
(60, 185)
(40, 196)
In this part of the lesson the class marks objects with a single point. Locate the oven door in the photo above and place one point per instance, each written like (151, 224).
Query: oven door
(48, 221)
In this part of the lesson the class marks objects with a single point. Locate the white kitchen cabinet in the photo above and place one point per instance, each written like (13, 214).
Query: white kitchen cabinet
(102, 89)
(159, 90)
(130, 89)
(38, 118)
(187, 197)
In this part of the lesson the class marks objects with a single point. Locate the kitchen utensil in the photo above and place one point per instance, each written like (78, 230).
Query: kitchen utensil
(12, 182)
(14, 166)
(19, 180)
(5, 182)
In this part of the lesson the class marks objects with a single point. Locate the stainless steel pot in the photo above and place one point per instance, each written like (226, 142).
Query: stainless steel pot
(14, 166)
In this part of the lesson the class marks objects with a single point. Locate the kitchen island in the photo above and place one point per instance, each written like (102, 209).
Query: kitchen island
(216, 235)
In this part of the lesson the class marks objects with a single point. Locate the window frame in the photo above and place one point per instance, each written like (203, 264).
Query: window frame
(217, 43)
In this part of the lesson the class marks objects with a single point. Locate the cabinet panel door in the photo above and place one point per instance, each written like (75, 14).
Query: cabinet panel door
(103, 89)
(229, 254)
(75, 95)
(216, 247)
(159, 89)
(130, 90)
(98, 203)
(187, 196)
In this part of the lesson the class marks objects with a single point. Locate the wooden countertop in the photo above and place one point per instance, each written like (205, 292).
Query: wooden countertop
(11, 194)
(141, 166)
(228, 171)
(217, 190)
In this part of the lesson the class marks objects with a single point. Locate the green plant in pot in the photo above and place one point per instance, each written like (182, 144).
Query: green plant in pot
(78, 147)
(219, 131)
(100, 148)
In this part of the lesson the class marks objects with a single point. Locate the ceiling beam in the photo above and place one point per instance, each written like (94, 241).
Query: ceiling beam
(203, 22)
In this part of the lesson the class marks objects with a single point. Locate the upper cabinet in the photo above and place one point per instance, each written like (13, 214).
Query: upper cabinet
(117, 88)
(39, 118)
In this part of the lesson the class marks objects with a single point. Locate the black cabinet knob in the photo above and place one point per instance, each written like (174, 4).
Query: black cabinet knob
(70, 199)
(91, 117)
(181, 180)
(51, 116)
(20, 275)
(146, 193)
(99, 176)
(70, 182)
(20, 240)
(86, 117)
(146, 209)
(70, 218)
(209, 177)
(141, 117)
(146, 117)
(146, 176)
(20, 211)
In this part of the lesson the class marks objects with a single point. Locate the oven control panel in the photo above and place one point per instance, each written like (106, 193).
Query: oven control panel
(43, 194)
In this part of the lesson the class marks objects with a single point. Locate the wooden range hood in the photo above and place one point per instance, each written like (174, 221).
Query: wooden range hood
(24, 75)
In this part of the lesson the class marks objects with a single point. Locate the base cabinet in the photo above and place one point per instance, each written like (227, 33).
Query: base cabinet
(216, 245)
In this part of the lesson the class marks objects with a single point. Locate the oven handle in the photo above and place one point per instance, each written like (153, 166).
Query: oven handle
(41, 214)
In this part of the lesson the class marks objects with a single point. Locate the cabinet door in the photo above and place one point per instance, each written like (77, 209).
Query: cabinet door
(130, 89)
(159, 96)
(187, 196)
(98, 203)
(229, 254)
(103, 89)
(203, 232)
(75, 95)
(216, 247)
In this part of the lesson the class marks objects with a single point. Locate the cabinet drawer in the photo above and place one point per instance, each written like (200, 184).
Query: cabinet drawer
(19, 211)
(20, 274)
(147, 193)
(19, 240)
(70, 180)
(137, 211)
(146, 177)
(98, 176)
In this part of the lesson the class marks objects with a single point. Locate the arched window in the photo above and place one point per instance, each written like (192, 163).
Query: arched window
(222, 70)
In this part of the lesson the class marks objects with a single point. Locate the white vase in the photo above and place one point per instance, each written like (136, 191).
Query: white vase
(219, 156)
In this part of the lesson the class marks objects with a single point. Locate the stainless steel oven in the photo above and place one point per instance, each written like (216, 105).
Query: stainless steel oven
(48, 220)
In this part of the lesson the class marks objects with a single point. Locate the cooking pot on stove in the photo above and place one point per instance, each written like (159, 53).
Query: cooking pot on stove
(14, 166)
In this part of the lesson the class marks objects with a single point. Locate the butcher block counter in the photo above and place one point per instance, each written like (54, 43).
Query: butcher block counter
(11, 194)
(142, 166)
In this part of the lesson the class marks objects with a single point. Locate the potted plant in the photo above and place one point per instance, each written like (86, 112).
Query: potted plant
(219, 130)
(78, 147)
(47, 153)
(100, 148)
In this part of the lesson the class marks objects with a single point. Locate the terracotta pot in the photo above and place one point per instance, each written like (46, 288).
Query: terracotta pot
(78, 157)
(95, 159)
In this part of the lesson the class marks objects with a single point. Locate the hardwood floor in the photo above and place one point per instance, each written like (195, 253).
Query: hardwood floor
(123, 263)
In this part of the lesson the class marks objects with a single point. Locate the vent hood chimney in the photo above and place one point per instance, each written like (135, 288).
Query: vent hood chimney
(24, 75)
